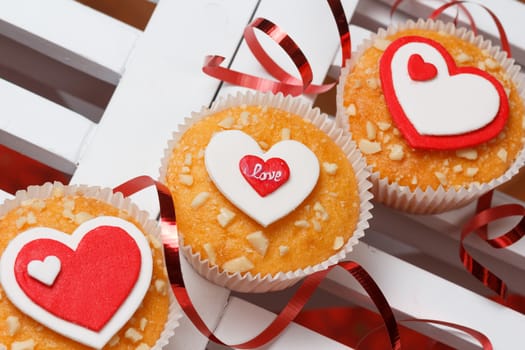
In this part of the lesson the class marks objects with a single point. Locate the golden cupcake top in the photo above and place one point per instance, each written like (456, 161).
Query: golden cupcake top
(428, 109)
(79, 273)
(258, 189)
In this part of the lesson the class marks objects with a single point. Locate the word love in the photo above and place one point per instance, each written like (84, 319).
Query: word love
(264, 177)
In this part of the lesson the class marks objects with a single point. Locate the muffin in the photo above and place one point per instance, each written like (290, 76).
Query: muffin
(81, 268)
(437, 112)
(266, 191)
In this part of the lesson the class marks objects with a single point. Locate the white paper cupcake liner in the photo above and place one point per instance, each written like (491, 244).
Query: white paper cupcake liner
(247, 282)
(429, 200)
(117, 200)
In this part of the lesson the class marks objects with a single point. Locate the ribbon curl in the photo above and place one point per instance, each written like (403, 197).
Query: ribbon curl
(286, 83)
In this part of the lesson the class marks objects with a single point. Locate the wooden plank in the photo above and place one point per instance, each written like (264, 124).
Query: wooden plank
(71, 33)
(24, 116)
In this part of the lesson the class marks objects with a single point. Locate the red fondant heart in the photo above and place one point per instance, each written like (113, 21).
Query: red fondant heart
(264, 176)
(420, 70)
(93, 281)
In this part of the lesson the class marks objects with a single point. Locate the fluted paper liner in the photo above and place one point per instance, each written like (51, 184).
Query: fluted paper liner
(106, 195)
(247, 282)
(429, 200)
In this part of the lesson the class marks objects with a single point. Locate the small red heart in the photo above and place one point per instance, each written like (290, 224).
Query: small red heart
(264, 176)
(420, 70)
(94, 280)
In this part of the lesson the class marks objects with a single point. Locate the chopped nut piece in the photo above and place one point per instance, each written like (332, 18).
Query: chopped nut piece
(507, 91)
(338, 242)
(143, 323)
(160, 286)
(200, 199)
(445, 162)
(351, 110)
(133, 335)
(82, 217)
(225, 216)
(20, 222)
(155, 242)
(357, 84)
(227, 122)
(368, 147)
(381, 44)
(481, 65)
(240, 264)
(463, 58)
(285, 134)
(370, 130)
(396, 152)
(320, 211)
(185, 170)
(244, 118)
(396, 132)
(186, 179)
(383, 126)
(13, 325)
(58, 191)
(441, 177)
(330, 168)
(302, 224)
(114, 340)
(142, 346)
(23, 345)
(258, 241)
(414, 180)
(490, 63)
(502, 154)
(386, 139)
(212, 256)
(188, 159)
(457, 168)
(31, 219)
(468, 153)
(38, 204)
(471, 171)
(317, 225)
(283, 250)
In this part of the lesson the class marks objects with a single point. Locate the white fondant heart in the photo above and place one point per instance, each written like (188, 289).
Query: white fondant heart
(69, 329)
(447, 104)
(44, 271)
(222, 157)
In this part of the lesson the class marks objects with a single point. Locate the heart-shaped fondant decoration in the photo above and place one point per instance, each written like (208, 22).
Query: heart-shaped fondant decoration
(264, 176)
(451, 108)
(223, 156)
(86, 285)
(420, 70)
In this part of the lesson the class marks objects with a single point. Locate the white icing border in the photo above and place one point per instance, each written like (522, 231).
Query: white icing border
(68, 329)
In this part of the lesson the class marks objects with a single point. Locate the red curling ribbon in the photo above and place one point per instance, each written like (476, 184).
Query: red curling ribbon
(484, 216)
(473, 26)
(285, 83)
(502, 34)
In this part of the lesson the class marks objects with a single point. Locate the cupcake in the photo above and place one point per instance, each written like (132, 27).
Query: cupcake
(266, 191)
(437, 112)
(81, 268)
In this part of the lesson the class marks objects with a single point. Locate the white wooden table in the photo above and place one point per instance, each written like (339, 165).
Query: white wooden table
(158, 79)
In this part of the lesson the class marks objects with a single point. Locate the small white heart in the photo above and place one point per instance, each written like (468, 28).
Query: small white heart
(45, 271)
(222, 157)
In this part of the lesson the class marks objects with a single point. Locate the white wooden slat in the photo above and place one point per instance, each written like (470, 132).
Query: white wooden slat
(71, 33)
(23, 118)
(314, 30)
(416, 293)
